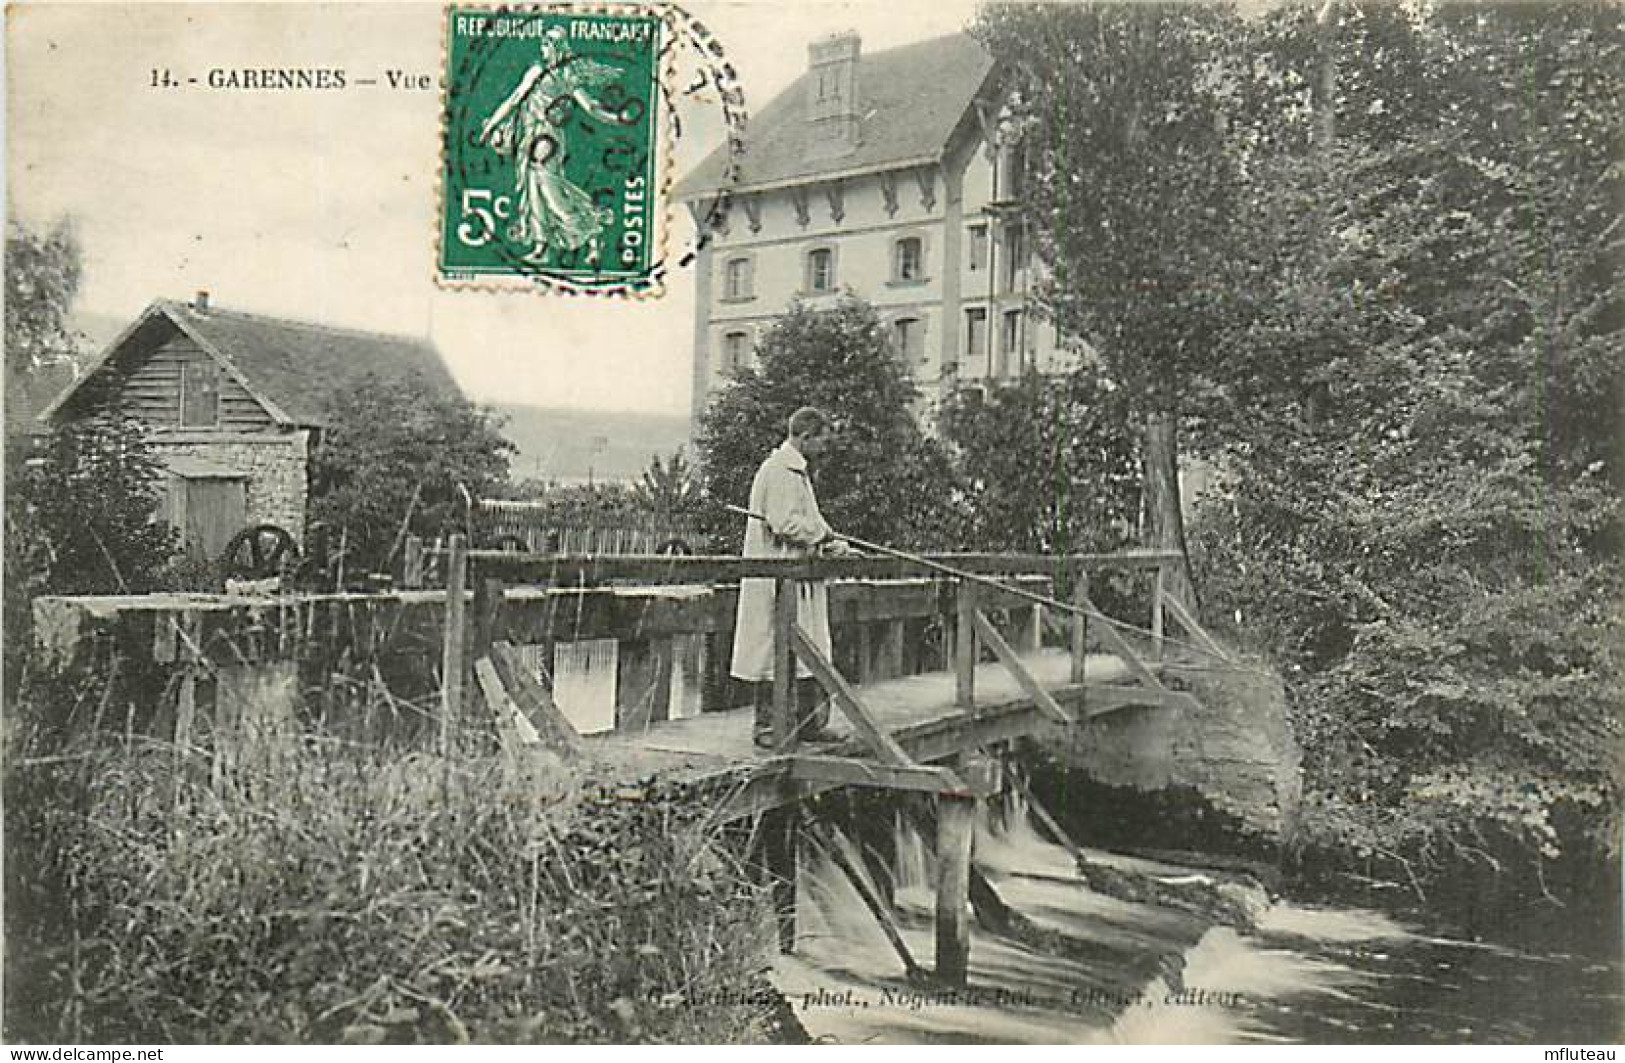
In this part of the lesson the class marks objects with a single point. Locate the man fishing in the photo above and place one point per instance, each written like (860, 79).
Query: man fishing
(790, 526)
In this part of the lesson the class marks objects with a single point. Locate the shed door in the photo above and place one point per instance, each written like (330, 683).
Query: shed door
(213, 511)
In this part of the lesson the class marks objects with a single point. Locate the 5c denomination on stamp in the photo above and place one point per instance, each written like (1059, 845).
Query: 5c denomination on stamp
(552, 150)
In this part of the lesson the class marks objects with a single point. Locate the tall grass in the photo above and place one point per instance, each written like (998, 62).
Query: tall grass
(337, 892)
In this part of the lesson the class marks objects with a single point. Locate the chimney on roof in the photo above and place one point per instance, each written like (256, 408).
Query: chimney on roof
(832, 95)
(201, 302)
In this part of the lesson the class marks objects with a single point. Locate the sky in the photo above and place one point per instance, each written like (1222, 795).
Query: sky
(322, 205)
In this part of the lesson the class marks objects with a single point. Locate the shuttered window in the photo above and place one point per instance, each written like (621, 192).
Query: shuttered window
(200, 395)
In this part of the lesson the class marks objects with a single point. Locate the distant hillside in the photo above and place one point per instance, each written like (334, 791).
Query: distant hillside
(567, 445)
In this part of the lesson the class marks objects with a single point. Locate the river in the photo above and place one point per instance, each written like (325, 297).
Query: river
(1122, 972)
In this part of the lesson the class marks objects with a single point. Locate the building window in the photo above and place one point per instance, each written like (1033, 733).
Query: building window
(735, 348)
(821, 270)
(908, 259)
(1012, 338)
(978, 248)
(908, 334)
(975, 331)
(738, 279)
(1015, 257)
(200, 395)
(1012, 172)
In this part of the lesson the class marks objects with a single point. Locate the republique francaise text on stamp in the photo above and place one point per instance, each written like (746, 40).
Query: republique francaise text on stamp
(551, 151)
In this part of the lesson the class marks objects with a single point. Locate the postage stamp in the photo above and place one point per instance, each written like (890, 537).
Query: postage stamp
(552, 150)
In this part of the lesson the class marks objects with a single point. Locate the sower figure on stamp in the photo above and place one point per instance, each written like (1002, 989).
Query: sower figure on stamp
(553, 211)
(782, 493)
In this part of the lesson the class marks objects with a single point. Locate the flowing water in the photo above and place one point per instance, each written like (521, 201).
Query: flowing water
(1299, 974)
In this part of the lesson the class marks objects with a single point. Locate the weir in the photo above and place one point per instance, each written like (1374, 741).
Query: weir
(932, 678)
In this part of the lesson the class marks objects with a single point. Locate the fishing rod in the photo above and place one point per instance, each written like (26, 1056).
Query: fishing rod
(988, 581)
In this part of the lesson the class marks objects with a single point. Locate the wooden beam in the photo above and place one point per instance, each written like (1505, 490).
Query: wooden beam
(454, 647)
(784, 665)
(1108, 634)
(1193, 627)
(537, 705)
(879, 741)
(847, 771)
(1101, 698)
(412, 562)
(1080, 626)
(514, 731)
(778, 850)
(869, 893)
(956, 825)
(583, 570)
(1013, 664)
(965, 645)
(1048, 822)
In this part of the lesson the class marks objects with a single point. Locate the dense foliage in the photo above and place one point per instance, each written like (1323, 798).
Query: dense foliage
(1046, 465)
(882, 478)
(1372, 252)
(81, 503)
(350, 895)
(1129, 192)
(402, 456)
(42, 277)
(1421, 393)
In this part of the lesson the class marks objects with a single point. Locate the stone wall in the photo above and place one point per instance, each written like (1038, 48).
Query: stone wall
(276, 464)
(1237, 750)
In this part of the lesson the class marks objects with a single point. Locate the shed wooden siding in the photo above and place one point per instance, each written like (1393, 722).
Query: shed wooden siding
(150, 388)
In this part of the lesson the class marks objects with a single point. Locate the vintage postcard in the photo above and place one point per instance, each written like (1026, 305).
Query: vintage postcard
(757, 522)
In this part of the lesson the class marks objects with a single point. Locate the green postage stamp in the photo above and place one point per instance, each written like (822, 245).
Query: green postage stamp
(552, 150)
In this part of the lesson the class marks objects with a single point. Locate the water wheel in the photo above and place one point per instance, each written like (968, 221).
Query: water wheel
(259, 551)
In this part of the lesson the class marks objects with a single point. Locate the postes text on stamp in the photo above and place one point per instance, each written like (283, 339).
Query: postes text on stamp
(551, 149)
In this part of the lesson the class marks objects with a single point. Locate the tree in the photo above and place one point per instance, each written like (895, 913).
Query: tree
(42, 277)
(882, 479)
(667, 489)
(1424, 360)
(1048, 465)
(402, 456)
(1129, 194)
(81, 506)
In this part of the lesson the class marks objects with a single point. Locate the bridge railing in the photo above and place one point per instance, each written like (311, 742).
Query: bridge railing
(479, 581)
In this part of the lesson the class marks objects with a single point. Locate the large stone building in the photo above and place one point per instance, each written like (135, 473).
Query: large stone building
(886, 175)
(233, 404)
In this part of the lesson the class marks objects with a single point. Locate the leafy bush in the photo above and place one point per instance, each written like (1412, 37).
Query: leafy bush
(344, 894)
(1047, 465)
(882, 478)
(401, 454)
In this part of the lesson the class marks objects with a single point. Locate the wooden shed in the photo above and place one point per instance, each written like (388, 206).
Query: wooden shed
(234, 402)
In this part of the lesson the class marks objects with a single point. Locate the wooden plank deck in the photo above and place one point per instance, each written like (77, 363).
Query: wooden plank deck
(715, 751)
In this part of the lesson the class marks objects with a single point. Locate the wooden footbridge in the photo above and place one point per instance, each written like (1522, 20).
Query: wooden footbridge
(931, 673)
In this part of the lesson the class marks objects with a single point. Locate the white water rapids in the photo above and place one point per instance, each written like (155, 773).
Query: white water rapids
(846, 983)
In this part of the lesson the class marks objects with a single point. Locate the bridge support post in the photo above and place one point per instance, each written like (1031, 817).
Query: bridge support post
(778, 859)
(965, 646)
(784, 663)
(956, 828)
(1080, 625)
(454, 650)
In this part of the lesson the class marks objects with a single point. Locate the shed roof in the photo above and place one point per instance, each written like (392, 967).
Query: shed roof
(290, 366)
(911, 100)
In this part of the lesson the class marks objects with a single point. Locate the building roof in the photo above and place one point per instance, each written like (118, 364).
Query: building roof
(290, 367)
(911, 99)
